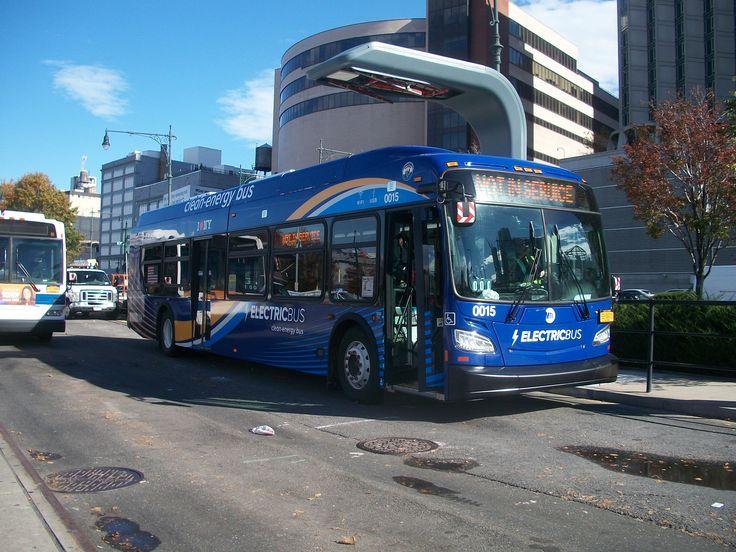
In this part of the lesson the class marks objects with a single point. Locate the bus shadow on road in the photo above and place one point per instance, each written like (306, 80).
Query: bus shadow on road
(135, 367)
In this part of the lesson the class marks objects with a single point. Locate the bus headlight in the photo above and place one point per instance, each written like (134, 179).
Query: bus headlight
(474, 342)
(55, 311)
(602, 336)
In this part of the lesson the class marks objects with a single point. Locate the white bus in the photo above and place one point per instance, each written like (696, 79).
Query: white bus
(32, 274)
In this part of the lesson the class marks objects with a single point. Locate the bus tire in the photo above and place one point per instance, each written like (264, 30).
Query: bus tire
(357, 367)
(166, 334)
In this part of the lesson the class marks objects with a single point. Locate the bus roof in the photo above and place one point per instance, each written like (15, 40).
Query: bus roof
(360, 182)
(23, 215)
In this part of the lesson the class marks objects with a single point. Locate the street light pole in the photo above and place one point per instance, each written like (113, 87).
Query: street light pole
(158, 138)
(496, 46)
(168, 159)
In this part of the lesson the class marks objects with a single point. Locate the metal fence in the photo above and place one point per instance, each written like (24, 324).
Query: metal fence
(652, 333)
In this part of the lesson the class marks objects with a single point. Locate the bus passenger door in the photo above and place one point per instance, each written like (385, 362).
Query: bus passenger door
(200, 284)
(401, 329)
(208, 285)
(413, 298)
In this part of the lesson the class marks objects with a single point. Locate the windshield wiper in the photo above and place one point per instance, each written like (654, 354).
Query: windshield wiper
(526, 286)
(27, 275)
(582, 308)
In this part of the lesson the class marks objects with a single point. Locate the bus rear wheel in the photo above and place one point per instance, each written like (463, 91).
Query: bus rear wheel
(166, 340)
(357, 367)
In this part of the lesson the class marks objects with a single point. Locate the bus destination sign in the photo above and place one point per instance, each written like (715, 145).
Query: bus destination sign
(299, 237)
(520, 188)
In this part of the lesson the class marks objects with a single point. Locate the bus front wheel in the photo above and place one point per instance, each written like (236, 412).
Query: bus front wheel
(166, 340)
(357, 367)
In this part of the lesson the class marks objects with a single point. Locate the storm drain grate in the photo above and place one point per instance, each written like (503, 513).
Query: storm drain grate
(442, 464)
(92, 480)
(397, 445)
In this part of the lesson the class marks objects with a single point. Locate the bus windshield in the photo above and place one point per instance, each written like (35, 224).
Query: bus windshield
(494, 258)
(39, 259)
(88, 278)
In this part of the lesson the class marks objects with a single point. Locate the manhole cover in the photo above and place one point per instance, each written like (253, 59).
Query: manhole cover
(92, 480)
(397, 445)
(442, 464)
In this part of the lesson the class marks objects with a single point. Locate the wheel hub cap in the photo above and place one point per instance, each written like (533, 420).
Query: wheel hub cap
(357, 365)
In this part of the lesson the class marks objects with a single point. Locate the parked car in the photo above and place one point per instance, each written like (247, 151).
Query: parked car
(634, 294)
(90, 290)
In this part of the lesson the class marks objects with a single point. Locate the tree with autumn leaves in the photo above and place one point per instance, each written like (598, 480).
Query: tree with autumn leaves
(35, 193)
(680, 176)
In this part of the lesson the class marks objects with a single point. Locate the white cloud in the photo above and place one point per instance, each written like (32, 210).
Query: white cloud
(97, 88)
(589, 24)
(247, 112)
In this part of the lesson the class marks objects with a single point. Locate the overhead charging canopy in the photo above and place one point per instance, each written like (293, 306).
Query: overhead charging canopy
(483, 97)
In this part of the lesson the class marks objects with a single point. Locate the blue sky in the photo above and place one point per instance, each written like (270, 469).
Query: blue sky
(71, 69)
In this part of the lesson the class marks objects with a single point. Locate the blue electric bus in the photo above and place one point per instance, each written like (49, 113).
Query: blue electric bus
(414, 269)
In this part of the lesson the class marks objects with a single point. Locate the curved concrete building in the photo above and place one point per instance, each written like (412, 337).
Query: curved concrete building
(304, 113)
(567, 112)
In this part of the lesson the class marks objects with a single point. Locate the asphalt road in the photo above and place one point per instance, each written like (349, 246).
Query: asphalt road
(101, 396)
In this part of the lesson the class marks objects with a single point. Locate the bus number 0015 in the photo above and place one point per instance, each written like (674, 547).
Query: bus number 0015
(391, 197)
(484, 310)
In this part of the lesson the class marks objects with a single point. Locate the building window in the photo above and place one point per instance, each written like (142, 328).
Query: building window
(651, 54)
(330, 101)
(709, 43)
(325, 51)
(680, 45)
(541, 45)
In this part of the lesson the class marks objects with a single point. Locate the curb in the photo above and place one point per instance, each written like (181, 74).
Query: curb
(677, 406)
(53, 514)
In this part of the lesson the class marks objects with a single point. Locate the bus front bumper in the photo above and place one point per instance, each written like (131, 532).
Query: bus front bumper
(37, 327)
(477, 382)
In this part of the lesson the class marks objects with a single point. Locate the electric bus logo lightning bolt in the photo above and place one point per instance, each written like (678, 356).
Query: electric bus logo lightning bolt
(514, 337)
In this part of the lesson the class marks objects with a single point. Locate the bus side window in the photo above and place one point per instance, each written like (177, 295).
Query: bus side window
(176, 273)
(4, 249)
(247, 254)
(151, 272)
(298, 263)
(353, 259)
(216, 267)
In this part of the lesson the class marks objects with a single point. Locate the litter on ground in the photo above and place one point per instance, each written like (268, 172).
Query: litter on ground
(263, 430)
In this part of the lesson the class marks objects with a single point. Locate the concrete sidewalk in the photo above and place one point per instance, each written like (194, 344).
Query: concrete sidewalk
(28, 520)
(678, 392)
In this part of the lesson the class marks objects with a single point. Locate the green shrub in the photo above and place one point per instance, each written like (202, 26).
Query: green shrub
(716, 320)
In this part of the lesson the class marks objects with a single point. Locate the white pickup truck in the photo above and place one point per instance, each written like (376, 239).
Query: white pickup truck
(90, 290)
